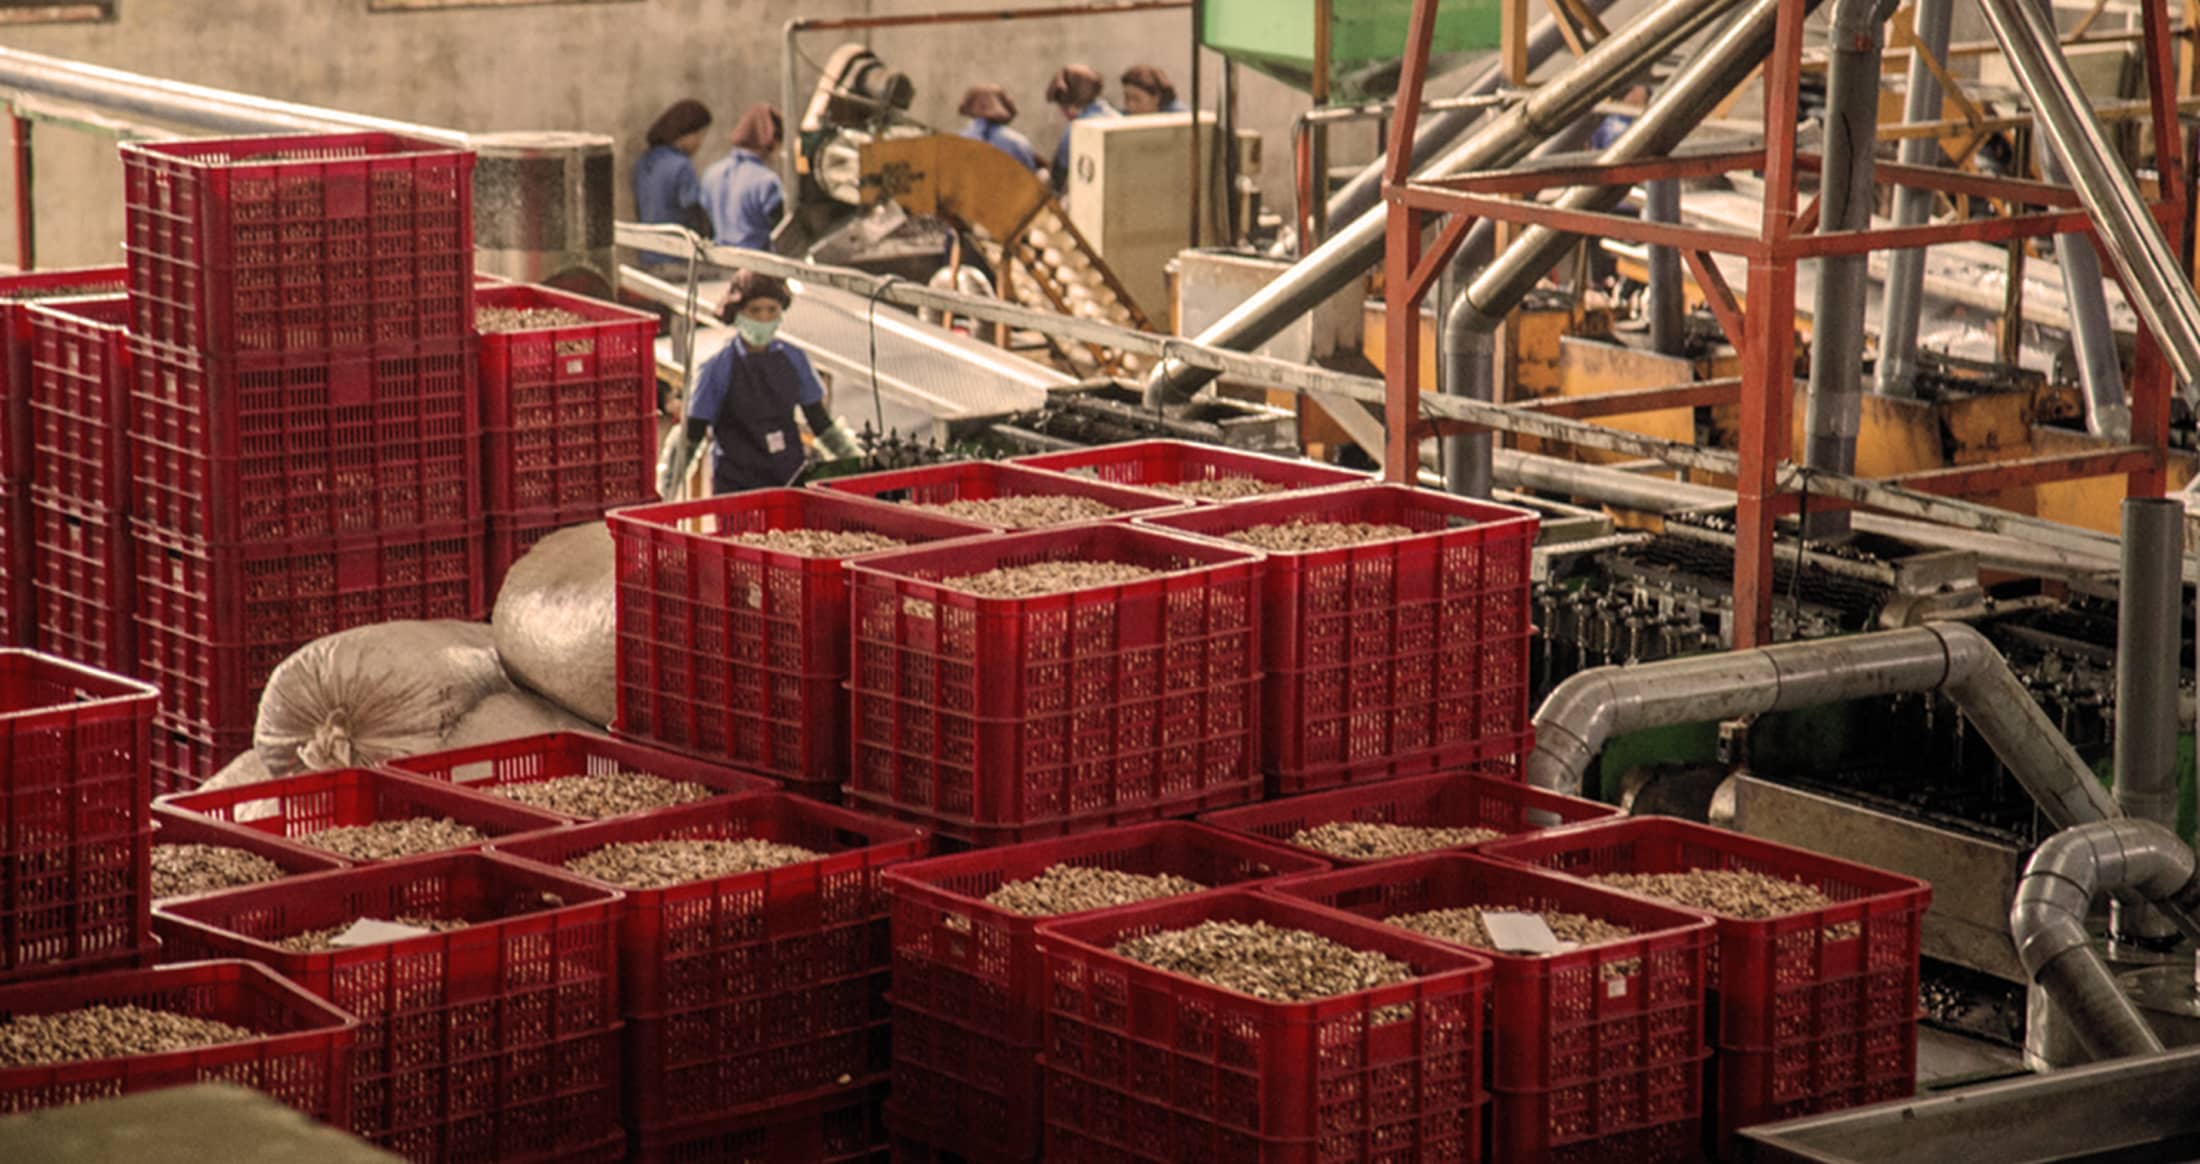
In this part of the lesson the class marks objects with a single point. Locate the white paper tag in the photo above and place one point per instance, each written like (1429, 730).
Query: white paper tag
(1520, 933)
(775, 442)
(369, 932)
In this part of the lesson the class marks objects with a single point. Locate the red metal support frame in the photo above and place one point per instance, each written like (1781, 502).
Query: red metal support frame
(1761, 323)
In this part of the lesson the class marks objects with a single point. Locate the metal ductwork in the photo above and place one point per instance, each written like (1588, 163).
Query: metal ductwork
(2150, 612)
(1470, 323)
(2160, 292)
(1616, 62)
(1665, 300)
(1593, 706)
(2133, 858)
(1833, 413)
(1438, 130)
(1913, 206)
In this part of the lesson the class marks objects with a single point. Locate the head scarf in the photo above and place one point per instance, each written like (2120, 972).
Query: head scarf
(759, 130)
(989, 103)
(748, 285)
(680, 119)
(1150, 79)
(1076, 86)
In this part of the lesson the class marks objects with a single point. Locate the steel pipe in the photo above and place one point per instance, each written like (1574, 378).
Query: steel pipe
(2137, 859)
(1612, 65)
(1593, 706)
(2160, 293)
(1668, 311)
(1833, 409)
(2149, 621)
(1904, 289)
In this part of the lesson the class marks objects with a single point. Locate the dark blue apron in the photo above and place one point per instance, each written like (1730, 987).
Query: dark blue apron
(758, 447)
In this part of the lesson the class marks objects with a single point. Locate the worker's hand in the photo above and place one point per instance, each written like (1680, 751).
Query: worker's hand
(839, 442)
(672, 464)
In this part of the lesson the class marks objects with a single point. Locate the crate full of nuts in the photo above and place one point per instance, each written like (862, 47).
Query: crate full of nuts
(1207, 474)
(1243, 1026)
(486, 992)
(969, 986)
(1394, 628)
(582, 777)
(1055, 681)
(1003, 496)
(752, 949)
(1361, 823)
(195, 854)
(366, 815)
(71, 1040)
(1597, 1048)
(1814, 969)
(75, 829)
(568, 400)
(733, 623)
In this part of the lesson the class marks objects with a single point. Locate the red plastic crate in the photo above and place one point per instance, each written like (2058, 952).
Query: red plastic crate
(570, 413)
(75, 832)
(186, 753)
(18, 567)
(1841, 1070)
(1600, 1041)
(753, 990)
(738, 651)
(300, 243)
(1132, 1050)
(512, 535)
(1795, 978)
(83, 585)
(497, 1041)
(214, 621)
(969, 984)
(80, 399)
(273, 449)
(1389, 658)
(838, 1129)
(17, 292)
(1064, 710)
(548, 757)
(1153, 465)
(1490, 795)
(171, 827)
(969, 480)
(300, 1055)
(309, 802)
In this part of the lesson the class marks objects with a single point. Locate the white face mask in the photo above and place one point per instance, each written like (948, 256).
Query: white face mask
(755, 332)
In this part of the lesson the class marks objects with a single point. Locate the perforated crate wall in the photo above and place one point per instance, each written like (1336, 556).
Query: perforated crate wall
(569, 413)
(1168, 466)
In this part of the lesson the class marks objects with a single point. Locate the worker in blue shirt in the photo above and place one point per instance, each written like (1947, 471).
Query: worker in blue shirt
(666, 189)
(990, 109)
(747, 395)
(1146, 89)
(1076, 92)
(741, 190)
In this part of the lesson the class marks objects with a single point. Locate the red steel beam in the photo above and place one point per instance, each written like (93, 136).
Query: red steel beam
(1718, 296)
(1622, 227)
(1972, 480)
(1532, 180)
(1897, 238)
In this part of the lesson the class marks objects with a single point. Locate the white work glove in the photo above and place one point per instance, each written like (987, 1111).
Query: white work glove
(673, 462)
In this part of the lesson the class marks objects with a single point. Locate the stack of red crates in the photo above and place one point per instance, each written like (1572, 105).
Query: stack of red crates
(80, 484)
(568, 418)
(18, 617)
(302, 450)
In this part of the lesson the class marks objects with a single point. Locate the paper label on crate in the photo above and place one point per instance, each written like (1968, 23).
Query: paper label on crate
(369, 932)
(1520, 933)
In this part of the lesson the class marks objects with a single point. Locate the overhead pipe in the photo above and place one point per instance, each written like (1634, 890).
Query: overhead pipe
(2149, 632)
(1904, 289)
(1834, 405)
(2136, 859)
(2161, 294)
(1661, 202)
(1439, 130)
(1616, 62)
(1591, 707)
(1470, 323)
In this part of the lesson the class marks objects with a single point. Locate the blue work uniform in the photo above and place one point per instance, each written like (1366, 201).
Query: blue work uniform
(742, 193)
(1608, 130)
(1061, 148)
(749, 400)
(1175, 105)
(1004, 139)
(666, 190)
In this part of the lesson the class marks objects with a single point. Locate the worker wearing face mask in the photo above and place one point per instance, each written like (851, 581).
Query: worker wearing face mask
(1146, 89)
(1075, 91)
(741, 190)
(747, 395)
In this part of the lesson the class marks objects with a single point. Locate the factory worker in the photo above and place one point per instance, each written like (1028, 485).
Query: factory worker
(1076, 92)
(747, 395)
(741, 190)
(990, 109)
(666, 189)
(1146, 89)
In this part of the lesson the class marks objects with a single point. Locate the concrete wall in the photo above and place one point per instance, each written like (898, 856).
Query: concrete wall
(600, 67)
